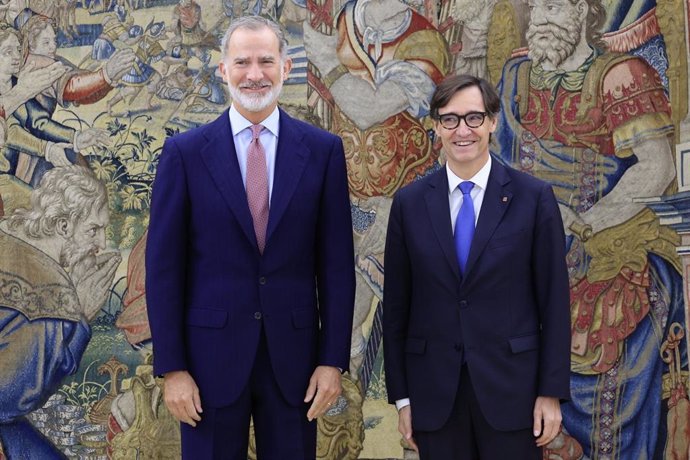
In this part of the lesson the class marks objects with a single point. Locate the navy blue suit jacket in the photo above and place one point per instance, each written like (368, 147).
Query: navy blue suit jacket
(209, 289)
(507, 317)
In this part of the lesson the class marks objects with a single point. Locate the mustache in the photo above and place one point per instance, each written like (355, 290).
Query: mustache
(556, 31)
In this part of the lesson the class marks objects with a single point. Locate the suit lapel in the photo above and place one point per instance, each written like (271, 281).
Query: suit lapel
(438, 206)
(291, 159)
(497, 198)
(220, 159)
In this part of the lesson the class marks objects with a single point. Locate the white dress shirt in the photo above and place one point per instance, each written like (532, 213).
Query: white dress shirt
(477, 193)
(242, 136)
(481, 179)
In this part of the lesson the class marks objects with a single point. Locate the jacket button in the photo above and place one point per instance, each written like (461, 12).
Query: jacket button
(262, 280)
(257, 315)
(458, 347)
(463, 304)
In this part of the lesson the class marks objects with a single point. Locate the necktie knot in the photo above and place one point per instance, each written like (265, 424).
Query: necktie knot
(466, 187)
(256, 130)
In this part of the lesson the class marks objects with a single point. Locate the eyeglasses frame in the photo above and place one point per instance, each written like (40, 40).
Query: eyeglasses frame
(462, 118)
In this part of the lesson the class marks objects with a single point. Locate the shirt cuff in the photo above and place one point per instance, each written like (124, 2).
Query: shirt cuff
(400, 403)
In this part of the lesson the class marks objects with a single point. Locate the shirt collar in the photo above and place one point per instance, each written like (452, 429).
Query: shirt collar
(481, 179)
(238, 123)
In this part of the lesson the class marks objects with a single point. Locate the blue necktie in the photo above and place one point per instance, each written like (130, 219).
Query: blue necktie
(464, 225)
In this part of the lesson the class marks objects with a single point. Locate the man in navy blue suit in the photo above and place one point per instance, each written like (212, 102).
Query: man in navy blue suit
(250, 277)
(476, 321)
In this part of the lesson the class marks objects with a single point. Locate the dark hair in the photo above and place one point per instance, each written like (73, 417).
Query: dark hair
(454, 83)
(596, 17)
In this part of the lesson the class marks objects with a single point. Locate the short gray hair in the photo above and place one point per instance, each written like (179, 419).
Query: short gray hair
(255, 23)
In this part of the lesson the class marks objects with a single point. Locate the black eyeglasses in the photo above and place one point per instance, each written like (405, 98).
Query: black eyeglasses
(452, 120)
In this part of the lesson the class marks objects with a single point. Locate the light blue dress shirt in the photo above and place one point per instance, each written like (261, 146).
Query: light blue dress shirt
(242, 136)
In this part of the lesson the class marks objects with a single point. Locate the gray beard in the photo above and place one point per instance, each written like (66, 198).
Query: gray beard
(72, 254)
(255, 103)
(562, 41)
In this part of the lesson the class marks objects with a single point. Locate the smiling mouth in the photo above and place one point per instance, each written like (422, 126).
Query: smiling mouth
(255, 88)
(463, 143)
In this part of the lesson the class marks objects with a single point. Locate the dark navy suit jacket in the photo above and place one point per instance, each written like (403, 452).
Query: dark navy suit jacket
(507, 317)
(209, 289)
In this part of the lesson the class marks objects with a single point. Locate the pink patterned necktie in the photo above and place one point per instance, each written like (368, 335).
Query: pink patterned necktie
(257, 186)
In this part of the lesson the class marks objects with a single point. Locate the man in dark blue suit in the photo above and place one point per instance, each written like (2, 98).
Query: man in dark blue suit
(476, 320)
(250, 277)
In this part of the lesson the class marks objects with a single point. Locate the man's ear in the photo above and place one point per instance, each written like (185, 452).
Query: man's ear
(221, 67)
(287, 66)
(64, 227)
(583, 9)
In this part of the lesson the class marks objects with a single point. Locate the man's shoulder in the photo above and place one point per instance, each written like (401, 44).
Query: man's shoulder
(309, 130)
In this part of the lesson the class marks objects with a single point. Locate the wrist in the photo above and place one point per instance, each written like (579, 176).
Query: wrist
(400, 404)
(106, 77)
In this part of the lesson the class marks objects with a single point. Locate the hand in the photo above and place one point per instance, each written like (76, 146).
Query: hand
(181, 396)
(405, 426)
(547, 419)
(91, 137)
(92, 277)
(324, 388)
(119, 63)
(31, 81)
(56, 154)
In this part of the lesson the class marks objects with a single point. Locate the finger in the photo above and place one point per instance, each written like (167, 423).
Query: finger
(544, 438)
(550, 432)
(176, 411)
(317, 408)
(412, 444)
(197, 401)
(186, 418)
(107, 273)
(103, 257)
(311, 413)
(28, 67)
(320, 404)
(191, 411)
(537, 425)
(311, 390)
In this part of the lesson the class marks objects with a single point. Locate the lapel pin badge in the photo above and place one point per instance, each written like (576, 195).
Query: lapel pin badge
(504, 199)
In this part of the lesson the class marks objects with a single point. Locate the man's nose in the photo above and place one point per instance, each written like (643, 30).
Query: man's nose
(254, 72)
(463, 129)
(537, 17)
(100, 239)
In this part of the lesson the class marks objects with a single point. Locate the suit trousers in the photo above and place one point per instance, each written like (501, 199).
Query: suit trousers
(468, 436)
(282, 431)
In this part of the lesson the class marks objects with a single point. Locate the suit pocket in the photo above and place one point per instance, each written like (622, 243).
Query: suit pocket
(206, 317)
(524, 343)
(415, 346)
(303, 318)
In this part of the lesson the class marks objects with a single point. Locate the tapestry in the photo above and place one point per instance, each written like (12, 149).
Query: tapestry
(102, 83)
